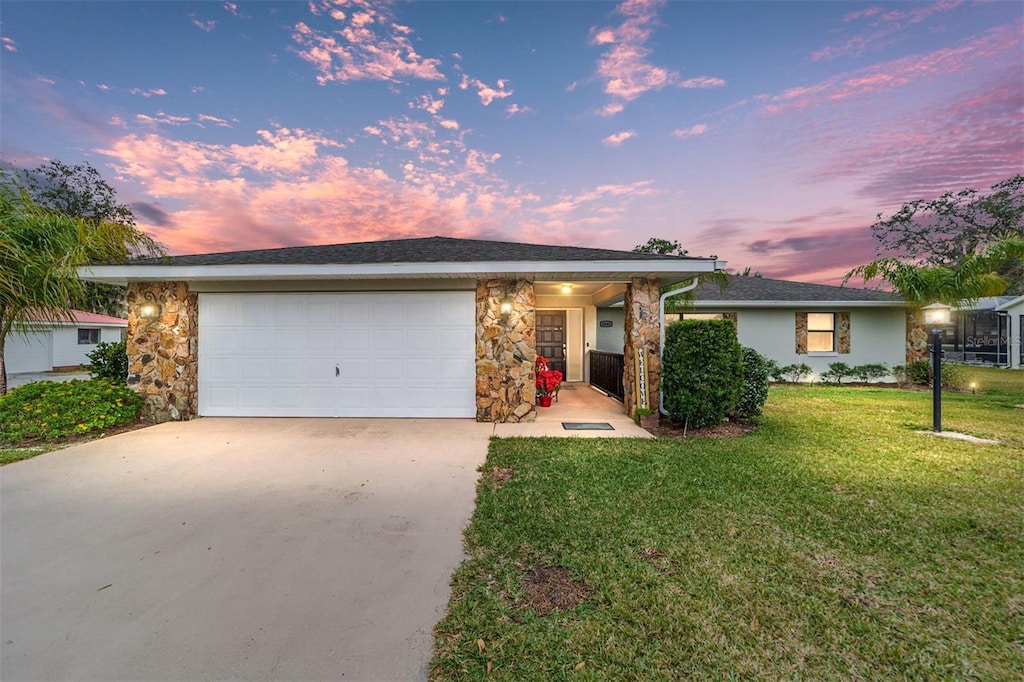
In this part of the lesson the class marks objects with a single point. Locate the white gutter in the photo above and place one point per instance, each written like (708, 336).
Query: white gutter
(661, 340)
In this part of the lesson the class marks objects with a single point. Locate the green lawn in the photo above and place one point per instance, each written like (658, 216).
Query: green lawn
(8, 454)
(833, 543)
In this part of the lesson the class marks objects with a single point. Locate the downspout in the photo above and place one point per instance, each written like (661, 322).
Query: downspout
(661, 324)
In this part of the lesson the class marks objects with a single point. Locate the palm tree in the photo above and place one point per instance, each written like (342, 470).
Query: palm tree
(40, 251)
(959, 285)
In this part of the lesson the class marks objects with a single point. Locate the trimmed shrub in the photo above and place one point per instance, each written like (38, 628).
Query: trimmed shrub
(920, 373)
(702, 371)
(796, 373)
(756, 370)
(837, 371)
(48, 410)
(954, 377)
(871, 372)
(775, 370)
(110, 361)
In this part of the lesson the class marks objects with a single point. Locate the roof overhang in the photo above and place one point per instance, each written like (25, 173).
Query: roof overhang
(799, 304)
(668, 272)
(1010, 304)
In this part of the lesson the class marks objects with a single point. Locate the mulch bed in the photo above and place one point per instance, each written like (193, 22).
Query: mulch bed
(727, 429)
(552, 588)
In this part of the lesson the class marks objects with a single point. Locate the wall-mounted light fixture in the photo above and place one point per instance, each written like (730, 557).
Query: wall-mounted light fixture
(150, 308)
(566, 288)
(505, 309)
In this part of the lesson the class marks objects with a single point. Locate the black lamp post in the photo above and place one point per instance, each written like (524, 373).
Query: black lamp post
(936, 315)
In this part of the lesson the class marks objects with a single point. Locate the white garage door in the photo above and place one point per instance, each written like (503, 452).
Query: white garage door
(31, 353)
(337, 355)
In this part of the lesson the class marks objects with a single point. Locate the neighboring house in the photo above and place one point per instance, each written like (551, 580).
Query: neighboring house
(1013, 310)
(432, 327)
(981, 334)
(60, 345)
(795, 322)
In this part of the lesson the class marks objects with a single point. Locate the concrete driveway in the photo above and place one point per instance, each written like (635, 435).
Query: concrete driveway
(255, 549)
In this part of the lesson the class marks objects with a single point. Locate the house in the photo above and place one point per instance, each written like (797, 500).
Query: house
(432, 327)
(1013, 310)
(48, 345)
(981, 333)
(796, 322)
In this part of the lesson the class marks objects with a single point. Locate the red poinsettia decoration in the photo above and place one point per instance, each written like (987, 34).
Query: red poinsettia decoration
(548, 380)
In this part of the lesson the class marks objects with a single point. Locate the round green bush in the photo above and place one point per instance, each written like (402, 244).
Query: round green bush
(756, 372)
(110, 361)
(50, 410)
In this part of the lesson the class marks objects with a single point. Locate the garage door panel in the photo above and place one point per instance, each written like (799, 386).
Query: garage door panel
(408, 354)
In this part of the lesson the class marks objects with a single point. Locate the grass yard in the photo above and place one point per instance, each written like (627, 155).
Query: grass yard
(833, 543)
(8, 455)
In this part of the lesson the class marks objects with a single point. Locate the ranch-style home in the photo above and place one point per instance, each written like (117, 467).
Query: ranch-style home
(800, 323)
(46, 345)
(432, 327)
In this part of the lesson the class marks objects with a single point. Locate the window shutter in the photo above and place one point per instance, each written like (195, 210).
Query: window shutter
(844, 333)
(801, 333)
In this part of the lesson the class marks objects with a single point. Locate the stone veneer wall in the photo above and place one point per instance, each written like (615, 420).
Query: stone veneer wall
(642, 329)
(843, 347)
(917, 337)
(163, 354)
(506, 389)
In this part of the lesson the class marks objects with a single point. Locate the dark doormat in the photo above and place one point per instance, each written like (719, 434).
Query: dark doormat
(567, 387)
(587, 426)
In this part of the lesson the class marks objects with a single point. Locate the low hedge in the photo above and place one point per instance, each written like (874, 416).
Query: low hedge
(49, 410)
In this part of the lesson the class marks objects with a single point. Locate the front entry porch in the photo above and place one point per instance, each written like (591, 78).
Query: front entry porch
(578, 402)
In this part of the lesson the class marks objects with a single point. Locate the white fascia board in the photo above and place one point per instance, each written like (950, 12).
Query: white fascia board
(799, 304)
(539, 269)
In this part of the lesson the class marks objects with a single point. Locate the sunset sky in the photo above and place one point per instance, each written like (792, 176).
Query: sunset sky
(766, 133)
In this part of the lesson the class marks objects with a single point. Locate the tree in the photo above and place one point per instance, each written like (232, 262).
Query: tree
(661, 246)
(946, 230)
(79, 191)
(977, 274)
(40, 251)
(667, 247)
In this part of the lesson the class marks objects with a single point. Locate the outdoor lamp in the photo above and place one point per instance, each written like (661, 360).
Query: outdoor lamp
(505, 308)
(936, 315)
(150, 308)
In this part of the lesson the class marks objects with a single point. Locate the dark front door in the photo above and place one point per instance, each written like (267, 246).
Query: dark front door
(551, 338)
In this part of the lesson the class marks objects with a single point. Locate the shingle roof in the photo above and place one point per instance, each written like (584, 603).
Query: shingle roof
(423, 250)
(763, 289)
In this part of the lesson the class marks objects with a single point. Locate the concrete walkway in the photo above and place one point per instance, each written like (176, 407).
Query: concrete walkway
(577, 402)
(22, 378)
(245, 549)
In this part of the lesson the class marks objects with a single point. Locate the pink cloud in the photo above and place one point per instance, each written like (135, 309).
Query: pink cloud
(204, 25)
(884, 29)
(155, 92)
(692, 131)
(515, 110)
(368, 46)
(9, 44)
(207, 118)
(486, 93)
(624, 67)
(703, 82)
(618, 138)
(990, 46)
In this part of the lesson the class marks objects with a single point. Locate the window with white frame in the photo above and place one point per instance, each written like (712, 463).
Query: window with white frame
(821, 332)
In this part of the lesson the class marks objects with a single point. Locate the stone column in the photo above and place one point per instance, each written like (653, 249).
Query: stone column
(505, 351)
(917, 337)
(163, 354)
(642, 330)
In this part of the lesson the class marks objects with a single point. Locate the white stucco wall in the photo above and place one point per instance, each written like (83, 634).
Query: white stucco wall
(876, 335)
(68, 353)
